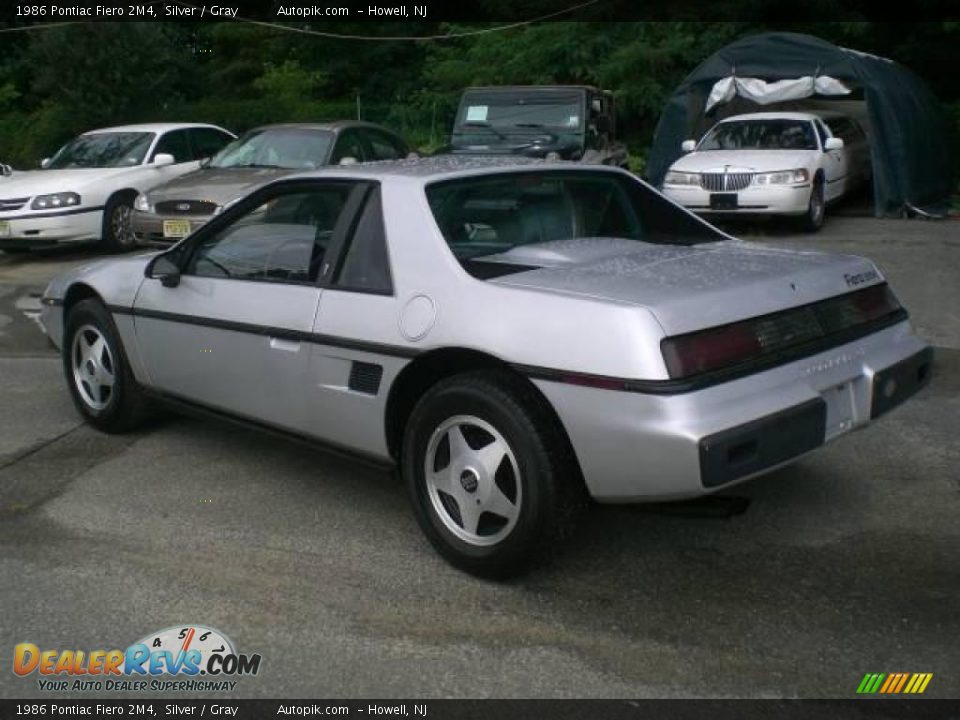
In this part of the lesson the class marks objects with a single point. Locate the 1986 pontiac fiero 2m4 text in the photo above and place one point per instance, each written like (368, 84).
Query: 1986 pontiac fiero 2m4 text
(515, 336)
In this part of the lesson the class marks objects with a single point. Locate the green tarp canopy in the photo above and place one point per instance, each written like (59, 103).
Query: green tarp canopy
(906, 125)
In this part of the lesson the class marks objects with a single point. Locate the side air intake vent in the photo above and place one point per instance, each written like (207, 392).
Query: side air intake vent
(365, 378)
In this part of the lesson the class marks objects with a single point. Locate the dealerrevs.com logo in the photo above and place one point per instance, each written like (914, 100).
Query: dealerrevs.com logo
(187, 658)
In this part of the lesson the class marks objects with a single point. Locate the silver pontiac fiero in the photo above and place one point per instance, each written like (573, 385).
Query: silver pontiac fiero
(516, 337)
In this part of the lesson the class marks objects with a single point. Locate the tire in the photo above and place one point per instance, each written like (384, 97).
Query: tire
(813, 219)
(526, 502)
(102, 385)
(117, 232)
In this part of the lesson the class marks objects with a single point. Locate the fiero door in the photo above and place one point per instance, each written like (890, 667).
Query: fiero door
(234, 332)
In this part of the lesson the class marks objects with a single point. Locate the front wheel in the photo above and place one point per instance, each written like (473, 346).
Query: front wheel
(816, 208)
(489, 474)
(117, 234)
(97, 372)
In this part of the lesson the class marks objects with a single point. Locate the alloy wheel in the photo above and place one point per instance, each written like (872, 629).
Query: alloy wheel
(121, 225)
(94, 370)
(473, 480)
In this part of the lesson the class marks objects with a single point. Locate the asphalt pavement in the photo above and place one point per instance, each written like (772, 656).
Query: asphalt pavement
(792, 585)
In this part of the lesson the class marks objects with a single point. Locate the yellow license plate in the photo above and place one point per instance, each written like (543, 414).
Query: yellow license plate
(176, 228)
(4, 228)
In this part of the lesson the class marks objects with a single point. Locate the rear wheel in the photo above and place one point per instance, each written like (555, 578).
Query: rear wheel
(489, 475)
(117, 234)
(816, 207)
(97, 372)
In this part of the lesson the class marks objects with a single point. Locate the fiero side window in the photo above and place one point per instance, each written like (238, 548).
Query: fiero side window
(365, 266)
(284, 239)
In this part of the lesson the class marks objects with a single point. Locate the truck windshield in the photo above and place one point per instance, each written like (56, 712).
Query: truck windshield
(772, 134)
(493, 214)
(511, 110)
(103, 150)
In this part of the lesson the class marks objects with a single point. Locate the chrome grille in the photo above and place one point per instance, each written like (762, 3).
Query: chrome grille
(12, 204)
(725, 182)
(186, 207)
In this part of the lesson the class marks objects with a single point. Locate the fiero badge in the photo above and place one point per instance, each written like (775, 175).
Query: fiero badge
(185, 651)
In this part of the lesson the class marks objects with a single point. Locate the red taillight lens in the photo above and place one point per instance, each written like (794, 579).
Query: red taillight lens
(710, 350)
(717, 348)
(875, 302)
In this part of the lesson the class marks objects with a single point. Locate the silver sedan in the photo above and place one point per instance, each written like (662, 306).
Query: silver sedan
(515, 337)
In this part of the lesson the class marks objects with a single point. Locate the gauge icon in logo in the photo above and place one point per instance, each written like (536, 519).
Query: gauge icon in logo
(178, 640)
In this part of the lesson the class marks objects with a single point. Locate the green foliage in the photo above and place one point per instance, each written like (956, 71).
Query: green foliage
(8, 93)
(290, 81)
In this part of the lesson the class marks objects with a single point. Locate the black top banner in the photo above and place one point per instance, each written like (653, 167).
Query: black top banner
(333, 12)
(488, 709)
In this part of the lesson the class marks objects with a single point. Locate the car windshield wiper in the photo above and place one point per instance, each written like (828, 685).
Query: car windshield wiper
(255, 165)
(485, 126)
(538, 126)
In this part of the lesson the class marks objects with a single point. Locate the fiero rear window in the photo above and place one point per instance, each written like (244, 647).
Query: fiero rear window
(495, 213)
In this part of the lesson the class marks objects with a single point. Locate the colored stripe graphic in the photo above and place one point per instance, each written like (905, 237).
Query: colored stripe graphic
(894, 683)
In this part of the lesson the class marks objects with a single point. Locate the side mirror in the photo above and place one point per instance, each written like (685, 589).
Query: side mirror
(833, 143)
(347, 160)
(412, 155)
(45, 163)
(596, 106)
(164, 269)
(688, 146)
(161, 159)
(5, 170)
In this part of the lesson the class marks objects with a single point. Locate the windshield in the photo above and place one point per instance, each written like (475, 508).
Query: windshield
(496, 213)
(760, 135)
(291, 148)
(103, 150)
(557, 111)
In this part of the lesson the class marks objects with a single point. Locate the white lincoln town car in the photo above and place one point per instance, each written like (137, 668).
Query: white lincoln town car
(514, 336)
(771, 164)
(85, 192)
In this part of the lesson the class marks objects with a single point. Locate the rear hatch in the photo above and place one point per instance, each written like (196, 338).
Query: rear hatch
(687, 288)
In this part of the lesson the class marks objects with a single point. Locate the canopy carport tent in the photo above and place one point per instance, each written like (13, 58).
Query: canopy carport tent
(908, 133)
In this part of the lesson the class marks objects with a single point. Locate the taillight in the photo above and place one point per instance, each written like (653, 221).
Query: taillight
(723, 347)
(711, 349)
(875, 302)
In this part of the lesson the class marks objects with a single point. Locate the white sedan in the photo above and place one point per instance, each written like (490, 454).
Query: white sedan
(86, 191)
(770, 164)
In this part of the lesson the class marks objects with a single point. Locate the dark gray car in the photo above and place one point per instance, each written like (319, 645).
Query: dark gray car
(175, 209)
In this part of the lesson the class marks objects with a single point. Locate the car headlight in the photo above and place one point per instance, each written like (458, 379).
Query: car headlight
(142, 203)
(782, 177)
(55, 200)
(675, 177)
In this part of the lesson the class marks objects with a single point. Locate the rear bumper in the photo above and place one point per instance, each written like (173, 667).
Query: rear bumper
(148, 227)
(635, 447)
(774, 440)
(774, 200)
(82, 225)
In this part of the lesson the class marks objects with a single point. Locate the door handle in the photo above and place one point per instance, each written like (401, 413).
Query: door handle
(277, 343)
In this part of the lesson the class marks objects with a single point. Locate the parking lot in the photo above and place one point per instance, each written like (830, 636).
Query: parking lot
(795, 584)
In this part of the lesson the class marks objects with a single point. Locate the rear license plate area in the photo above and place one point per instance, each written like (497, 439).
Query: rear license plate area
(723, 201)
(839, 400)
